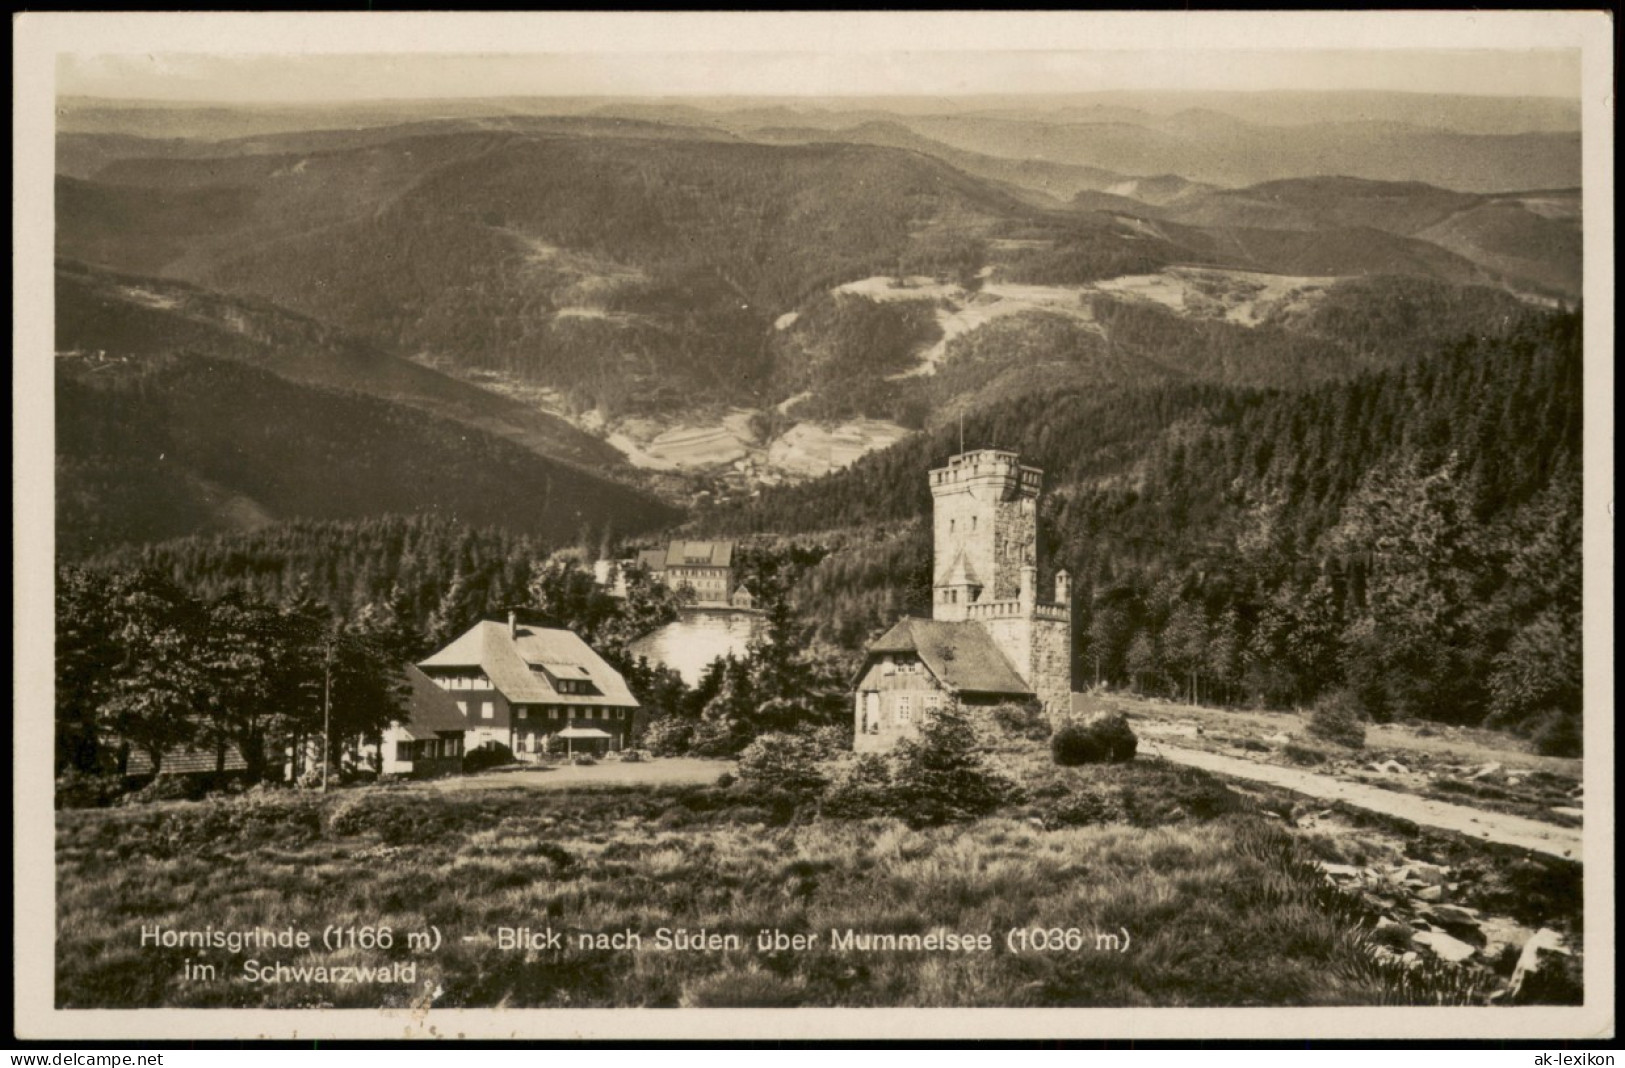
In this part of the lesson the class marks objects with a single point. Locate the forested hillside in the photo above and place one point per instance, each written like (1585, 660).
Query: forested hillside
(184, 443)
(139, 318)
(627, 272)
(1411, 536)
(640, 269)
(431, 576)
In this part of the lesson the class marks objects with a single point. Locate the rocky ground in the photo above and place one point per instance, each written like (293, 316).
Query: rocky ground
(1512, 921)
(1465, 844)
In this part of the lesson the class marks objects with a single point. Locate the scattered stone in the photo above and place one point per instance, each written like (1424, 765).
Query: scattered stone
(1544, 940)
(1430, 893)
(1447, 914)
(1388, 767)
(1279, 738)
(1565, 810)
(1422, 872)
(1488, 769)
(1391, 930)
(1340, 871)
(1444, 946)
(1500, 932)
(1514, 780)
(1458, 923)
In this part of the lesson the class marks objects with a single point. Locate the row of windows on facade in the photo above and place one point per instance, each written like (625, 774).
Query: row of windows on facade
(487, 711)
(428, 749)
(480, 682)
(531, 743)
(888, 666)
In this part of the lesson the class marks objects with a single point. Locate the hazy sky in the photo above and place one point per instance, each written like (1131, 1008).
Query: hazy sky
(226, 58)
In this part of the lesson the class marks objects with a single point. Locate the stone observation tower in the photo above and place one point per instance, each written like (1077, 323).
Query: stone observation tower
(990, 639)
(985, 558)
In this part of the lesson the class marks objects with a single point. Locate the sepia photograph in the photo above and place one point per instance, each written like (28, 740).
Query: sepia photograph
(818, 525)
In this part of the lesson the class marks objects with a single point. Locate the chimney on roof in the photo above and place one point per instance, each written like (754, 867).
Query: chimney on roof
(513, 624)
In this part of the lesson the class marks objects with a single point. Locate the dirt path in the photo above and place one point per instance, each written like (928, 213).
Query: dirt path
(1475, 823)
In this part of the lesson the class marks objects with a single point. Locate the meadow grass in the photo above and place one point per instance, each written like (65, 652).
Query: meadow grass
(1221, 907)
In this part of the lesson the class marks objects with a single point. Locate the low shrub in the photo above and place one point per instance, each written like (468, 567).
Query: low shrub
(561, 859)
(783, 761)
(167, 788)
(489, 755)
(1105, 739)
(1160, 795)
(714, 738)
(1022, 720)
(1339, 718)
(1090, 806)
(78, 789)
(398, 818)
(940, 777)
(1299, 753)
(832, 741)
(1558, 734)
(668, 736)
(863, 790)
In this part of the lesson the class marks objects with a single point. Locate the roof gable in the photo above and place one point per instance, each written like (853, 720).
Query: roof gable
(961, 655)
(700, 554)
(428, 708)
(508, 659)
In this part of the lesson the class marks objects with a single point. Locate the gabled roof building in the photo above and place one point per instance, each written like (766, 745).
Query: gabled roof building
(521, 685)
(705, 566)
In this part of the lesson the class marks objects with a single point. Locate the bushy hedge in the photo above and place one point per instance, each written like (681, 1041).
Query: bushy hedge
(668, 735)
(940, 776)
(489, 755)
(1338, 718)
(1105, 739)
(78, 789)
(786, 762)
(1022, 720)
(1559, 734)
(862, 791)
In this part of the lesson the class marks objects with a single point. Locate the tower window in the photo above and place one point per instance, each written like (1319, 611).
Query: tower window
(973, 523)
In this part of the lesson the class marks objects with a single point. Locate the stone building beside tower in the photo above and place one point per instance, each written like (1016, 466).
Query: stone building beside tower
(990, 638)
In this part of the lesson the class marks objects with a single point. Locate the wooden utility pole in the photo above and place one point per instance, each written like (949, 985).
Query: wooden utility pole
(327, 712)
